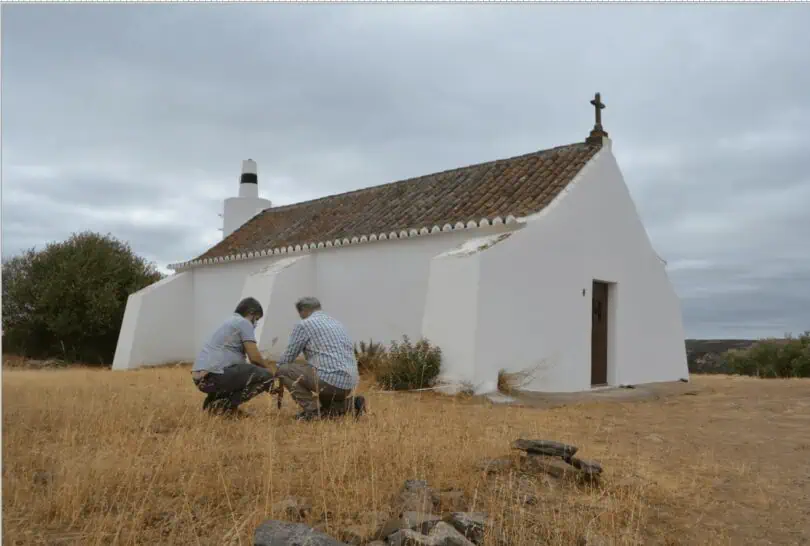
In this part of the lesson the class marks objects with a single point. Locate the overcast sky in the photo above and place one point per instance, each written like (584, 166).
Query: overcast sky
(133, 119)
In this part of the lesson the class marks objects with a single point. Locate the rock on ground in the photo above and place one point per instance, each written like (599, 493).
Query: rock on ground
(283, 533)
(591, 468)
(549, 465)
(412, 521)
(471, 525)
(416, 496)
(441, 535)
(545, 447)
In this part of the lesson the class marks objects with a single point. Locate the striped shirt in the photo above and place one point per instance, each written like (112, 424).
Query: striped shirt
(327, 348)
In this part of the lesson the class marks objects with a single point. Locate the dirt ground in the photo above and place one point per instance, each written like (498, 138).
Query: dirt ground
(753, 435)
(98, 457)
(634, 393)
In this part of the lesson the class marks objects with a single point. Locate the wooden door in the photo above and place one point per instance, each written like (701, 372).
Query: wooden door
(599, 333)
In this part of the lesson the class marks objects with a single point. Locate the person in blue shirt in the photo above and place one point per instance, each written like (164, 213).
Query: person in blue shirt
(221, 371)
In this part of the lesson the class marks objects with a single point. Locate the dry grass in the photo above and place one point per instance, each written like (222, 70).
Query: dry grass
(98, 457)
(510, 383)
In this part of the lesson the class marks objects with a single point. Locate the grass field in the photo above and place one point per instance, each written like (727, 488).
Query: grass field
(99, 457)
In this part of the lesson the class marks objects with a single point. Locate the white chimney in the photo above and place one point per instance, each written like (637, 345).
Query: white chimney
(249, 179)
(239, 210)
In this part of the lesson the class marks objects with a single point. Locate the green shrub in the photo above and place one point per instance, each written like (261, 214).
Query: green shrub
(67, 301)
(369, 356)
(789, 357)
(408, 366)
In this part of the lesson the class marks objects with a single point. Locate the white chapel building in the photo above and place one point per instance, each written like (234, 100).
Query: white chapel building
(537, 263)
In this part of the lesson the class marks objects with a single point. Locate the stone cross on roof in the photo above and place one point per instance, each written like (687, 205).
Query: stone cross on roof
(597, 133)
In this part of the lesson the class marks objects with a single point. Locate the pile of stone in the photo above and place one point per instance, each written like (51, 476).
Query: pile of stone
(417, 523)
(418, 508)
(557, 459)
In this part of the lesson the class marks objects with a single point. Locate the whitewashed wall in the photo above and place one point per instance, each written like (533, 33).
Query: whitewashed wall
(217, 290)
(377, 289)
(157, 326)
(278, 287)
(450, 316)
(533, 315)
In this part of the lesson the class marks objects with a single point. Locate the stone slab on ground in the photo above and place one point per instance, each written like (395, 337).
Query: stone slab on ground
(545, 447)
(284, 533)
(471, 525)
(412, 521)
(442, 534)
(590, 468)
(553, 466)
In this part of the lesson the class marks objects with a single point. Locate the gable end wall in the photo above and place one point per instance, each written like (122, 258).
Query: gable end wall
(533, 315)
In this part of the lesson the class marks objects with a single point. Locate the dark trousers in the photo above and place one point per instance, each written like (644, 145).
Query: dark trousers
(238, 384)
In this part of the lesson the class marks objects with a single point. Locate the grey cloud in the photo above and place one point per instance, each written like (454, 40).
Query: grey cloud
(31, 223)
(707, 107)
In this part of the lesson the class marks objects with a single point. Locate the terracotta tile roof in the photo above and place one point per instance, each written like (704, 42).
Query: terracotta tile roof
(517, 186)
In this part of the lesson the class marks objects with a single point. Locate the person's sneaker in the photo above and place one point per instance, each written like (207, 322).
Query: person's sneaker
(209, 399)
(359, 405)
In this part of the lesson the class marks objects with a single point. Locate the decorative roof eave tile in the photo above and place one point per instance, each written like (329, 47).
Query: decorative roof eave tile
(346, 241)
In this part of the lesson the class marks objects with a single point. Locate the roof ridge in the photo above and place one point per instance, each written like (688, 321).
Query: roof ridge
(412, 179)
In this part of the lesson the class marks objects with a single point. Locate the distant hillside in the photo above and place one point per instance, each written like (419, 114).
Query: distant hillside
(703, 346)
(703, 355)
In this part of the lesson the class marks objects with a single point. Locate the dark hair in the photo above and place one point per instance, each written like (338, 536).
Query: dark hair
(249, 306)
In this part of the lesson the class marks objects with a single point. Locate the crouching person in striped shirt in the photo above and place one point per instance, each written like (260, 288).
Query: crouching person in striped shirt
(323, 385)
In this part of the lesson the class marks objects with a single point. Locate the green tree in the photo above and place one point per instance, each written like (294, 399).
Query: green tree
(787, 357)
(67, 301)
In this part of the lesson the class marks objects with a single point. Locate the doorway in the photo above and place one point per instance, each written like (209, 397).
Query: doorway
(599, 333)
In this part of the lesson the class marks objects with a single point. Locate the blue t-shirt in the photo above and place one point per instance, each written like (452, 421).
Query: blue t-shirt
(226, 345)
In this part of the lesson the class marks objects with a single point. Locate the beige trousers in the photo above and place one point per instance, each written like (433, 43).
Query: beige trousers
(311, 394)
